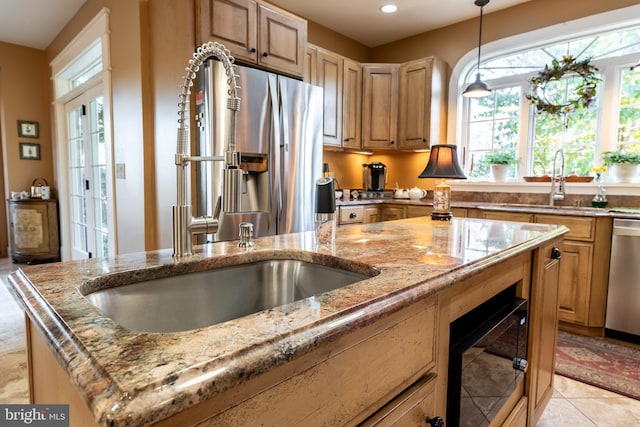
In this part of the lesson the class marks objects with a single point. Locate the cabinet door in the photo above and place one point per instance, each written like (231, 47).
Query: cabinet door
(311, 65)
(410, 408)
(351, 104)
(330, 79)
(283, 38)
(415, 104)
(508, 216)
(416, 211)
(390, 213)
(371, 214)
(543, 315)
(230, 22)
(575, 282)
(380, 106)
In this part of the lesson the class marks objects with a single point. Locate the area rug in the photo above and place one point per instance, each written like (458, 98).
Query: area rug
(600, 362)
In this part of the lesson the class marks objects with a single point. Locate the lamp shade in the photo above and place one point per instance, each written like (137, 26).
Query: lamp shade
(443, 163)
(477, 89)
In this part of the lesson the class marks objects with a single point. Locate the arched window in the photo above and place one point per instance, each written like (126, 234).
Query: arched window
(506, 121)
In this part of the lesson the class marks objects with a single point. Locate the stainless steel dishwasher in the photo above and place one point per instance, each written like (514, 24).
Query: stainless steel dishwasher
(623, 303)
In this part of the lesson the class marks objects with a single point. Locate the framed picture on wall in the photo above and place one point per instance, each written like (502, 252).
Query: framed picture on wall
(29, 151)
(28, 129)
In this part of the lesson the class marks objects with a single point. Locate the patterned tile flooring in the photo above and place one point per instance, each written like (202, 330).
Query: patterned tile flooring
(573, 403)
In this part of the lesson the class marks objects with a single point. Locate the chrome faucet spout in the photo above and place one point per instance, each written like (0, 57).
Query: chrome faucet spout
(184, 225)
(557, 194)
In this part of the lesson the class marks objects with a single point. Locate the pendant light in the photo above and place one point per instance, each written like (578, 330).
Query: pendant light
(478, 89)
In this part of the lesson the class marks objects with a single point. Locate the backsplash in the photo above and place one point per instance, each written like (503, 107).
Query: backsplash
(582, 200)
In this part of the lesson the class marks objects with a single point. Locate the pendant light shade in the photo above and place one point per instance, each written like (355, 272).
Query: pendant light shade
(478, 89)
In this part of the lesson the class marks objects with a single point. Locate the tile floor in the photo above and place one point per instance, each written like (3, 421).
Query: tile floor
(573, 404)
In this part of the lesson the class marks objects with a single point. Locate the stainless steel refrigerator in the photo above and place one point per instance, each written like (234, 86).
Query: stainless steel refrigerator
(279, 137)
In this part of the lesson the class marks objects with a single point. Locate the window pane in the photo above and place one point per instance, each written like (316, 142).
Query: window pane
(629, 119)
(493, 126)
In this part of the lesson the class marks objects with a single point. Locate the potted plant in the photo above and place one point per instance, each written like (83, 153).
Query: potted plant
(623, 165)
(499, 163)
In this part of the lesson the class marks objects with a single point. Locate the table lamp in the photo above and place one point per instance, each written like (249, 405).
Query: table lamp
(443, 163)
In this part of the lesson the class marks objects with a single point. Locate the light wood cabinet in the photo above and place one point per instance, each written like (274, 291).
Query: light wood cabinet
(380, 106)
(254, 32)
(351, 104)
(543, 315)
(584, 272)
(341, 79)
(391, 212)
(33, 230)
(584, 269)
(329, 77)
(416, 211)
(422, 116)
(371, 214)
(361, 214)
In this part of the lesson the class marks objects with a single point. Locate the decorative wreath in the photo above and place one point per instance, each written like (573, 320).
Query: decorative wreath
(585, 91)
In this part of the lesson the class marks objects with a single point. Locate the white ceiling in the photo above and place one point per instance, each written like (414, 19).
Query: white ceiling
(35, 23)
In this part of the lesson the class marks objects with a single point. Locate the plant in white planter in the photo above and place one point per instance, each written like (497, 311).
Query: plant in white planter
(499, 162)
(623, 166)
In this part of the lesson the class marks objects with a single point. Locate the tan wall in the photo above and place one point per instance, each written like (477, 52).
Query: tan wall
(129, 141)
(336, 42)
(452, 42)
(24, 95)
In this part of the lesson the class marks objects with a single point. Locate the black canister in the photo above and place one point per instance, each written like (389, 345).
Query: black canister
(325, 210)
(325, 195)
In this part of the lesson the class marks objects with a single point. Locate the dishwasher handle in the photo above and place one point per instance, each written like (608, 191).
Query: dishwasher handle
(625, 231)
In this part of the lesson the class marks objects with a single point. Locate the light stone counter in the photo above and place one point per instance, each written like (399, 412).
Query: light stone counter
(131, 378)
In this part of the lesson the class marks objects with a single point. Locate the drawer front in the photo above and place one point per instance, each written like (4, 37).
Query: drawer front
(507, 216)
(351, 215)
(580, 228)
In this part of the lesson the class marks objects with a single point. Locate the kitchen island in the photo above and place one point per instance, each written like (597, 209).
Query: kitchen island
(373, 350)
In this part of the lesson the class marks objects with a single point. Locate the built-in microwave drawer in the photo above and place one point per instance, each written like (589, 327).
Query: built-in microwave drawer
(351, 214)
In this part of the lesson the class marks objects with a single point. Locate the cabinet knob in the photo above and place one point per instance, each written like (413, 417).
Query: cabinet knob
(352, 215)
(435, 422)
(391, 142)
(265, 54)
(346, 139)
(555, 253)
(424, 140)
(252, 50)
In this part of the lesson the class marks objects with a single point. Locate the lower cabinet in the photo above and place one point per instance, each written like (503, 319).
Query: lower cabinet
(584, 269)
(362, 214)
(411, 407)
(392, 212)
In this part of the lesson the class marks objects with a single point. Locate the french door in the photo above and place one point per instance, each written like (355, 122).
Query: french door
(89, 177)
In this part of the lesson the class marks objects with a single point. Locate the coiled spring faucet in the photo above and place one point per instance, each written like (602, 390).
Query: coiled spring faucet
(184, 225)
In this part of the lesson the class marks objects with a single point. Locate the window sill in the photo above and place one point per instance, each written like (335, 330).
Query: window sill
(628, 189)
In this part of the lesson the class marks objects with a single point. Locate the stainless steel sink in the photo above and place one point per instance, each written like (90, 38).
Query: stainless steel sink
(194, 300)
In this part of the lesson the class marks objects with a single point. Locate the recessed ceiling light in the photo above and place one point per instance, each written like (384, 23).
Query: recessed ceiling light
(388, 8)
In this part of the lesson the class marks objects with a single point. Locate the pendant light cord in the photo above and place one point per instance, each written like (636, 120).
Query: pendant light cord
(482, 4)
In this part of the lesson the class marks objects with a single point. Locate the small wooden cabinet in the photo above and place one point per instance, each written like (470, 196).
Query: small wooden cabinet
(380, 106)
(422, 116)
(33, 230)
(254, 32)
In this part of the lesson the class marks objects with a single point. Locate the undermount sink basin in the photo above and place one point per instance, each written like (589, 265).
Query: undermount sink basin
(194, 300)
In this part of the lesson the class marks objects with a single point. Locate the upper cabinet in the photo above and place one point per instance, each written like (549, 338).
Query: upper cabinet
(422, 115)
(351, 104)
(341, 79)
(255, 32)
(380, 106)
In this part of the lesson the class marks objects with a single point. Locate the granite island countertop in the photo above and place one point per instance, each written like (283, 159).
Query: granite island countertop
(135, 378)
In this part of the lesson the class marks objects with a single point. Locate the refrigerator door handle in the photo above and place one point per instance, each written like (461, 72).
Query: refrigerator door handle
(275, 145)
